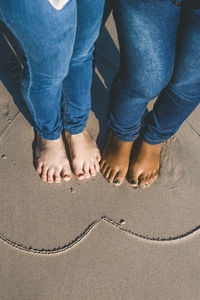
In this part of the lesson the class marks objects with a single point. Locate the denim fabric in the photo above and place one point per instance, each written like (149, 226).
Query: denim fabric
(147, 32)
(182, 94)
(78, 82)
(55, 43)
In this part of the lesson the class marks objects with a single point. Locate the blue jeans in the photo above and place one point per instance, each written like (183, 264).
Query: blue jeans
(159, 55)
(59, 46)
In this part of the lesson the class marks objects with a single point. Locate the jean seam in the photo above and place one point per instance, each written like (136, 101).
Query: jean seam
(48, 136)
(121, 137)
(75, 131)
(38, 125)
(124, 138)
(65, 100)
(151, 140)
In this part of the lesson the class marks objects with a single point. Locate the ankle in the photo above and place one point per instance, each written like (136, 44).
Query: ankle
(152, 146)
(118, 142)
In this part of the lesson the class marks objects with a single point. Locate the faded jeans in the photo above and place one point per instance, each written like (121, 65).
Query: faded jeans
(159, 55)
(58, 46)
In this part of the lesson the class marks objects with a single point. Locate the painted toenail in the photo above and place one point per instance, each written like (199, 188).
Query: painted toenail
(134, 182)
(117, 181)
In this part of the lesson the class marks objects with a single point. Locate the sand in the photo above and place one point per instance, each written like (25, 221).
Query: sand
(92, 240)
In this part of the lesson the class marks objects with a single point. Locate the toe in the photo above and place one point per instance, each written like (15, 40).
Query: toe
(57, 176)
(39, 167)
(142, 181)
(147, 181)
(92, 170)
(96, 166)
(107, 174)
(50, 174)
(155, 176)
(101, 163)
(104, 168)
(112, 175)
(44, 174)
(80, 176)
(134, 175)
(78, 171)
(151, 179)
(119, 178)
(86, 168)
(133, 181)
(66, 173)
(98, 157)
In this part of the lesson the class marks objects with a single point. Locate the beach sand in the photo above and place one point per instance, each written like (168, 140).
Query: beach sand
(90, 239)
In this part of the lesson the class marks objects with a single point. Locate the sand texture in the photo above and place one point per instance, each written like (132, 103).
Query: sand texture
(92, 240)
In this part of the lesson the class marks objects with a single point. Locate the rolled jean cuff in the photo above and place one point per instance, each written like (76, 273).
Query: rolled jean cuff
(151, 141)
(49, 136)
(75, 131)
(123, 137)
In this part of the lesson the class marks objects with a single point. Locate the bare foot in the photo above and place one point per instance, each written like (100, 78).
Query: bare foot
(144, 168)
(85, 154)
(51, 160)
(115, 159)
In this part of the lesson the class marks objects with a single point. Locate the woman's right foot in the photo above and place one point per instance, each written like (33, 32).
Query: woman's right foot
(85, 154)
(145, 166)
(51, 160)
(115, 159)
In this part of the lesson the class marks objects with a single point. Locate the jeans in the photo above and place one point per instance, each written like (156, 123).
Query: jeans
(159, 55)
(58, 46)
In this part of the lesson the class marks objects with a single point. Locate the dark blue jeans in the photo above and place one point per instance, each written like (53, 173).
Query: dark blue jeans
(58, 45)
(159, 55)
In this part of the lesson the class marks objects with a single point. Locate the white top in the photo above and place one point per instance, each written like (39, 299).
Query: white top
(58, 4)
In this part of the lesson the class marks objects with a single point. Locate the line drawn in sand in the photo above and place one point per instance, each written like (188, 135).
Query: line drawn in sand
(89, 229)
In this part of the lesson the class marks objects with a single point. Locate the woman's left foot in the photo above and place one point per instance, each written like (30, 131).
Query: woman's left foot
(145, 166)
(85, 154)
(115, 159)
(51, 160)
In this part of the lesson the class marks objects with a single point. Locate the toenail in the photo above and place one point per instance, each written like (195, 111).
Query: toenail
(142, 186)
(134, 182)
(117, 181)
(108, 180)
